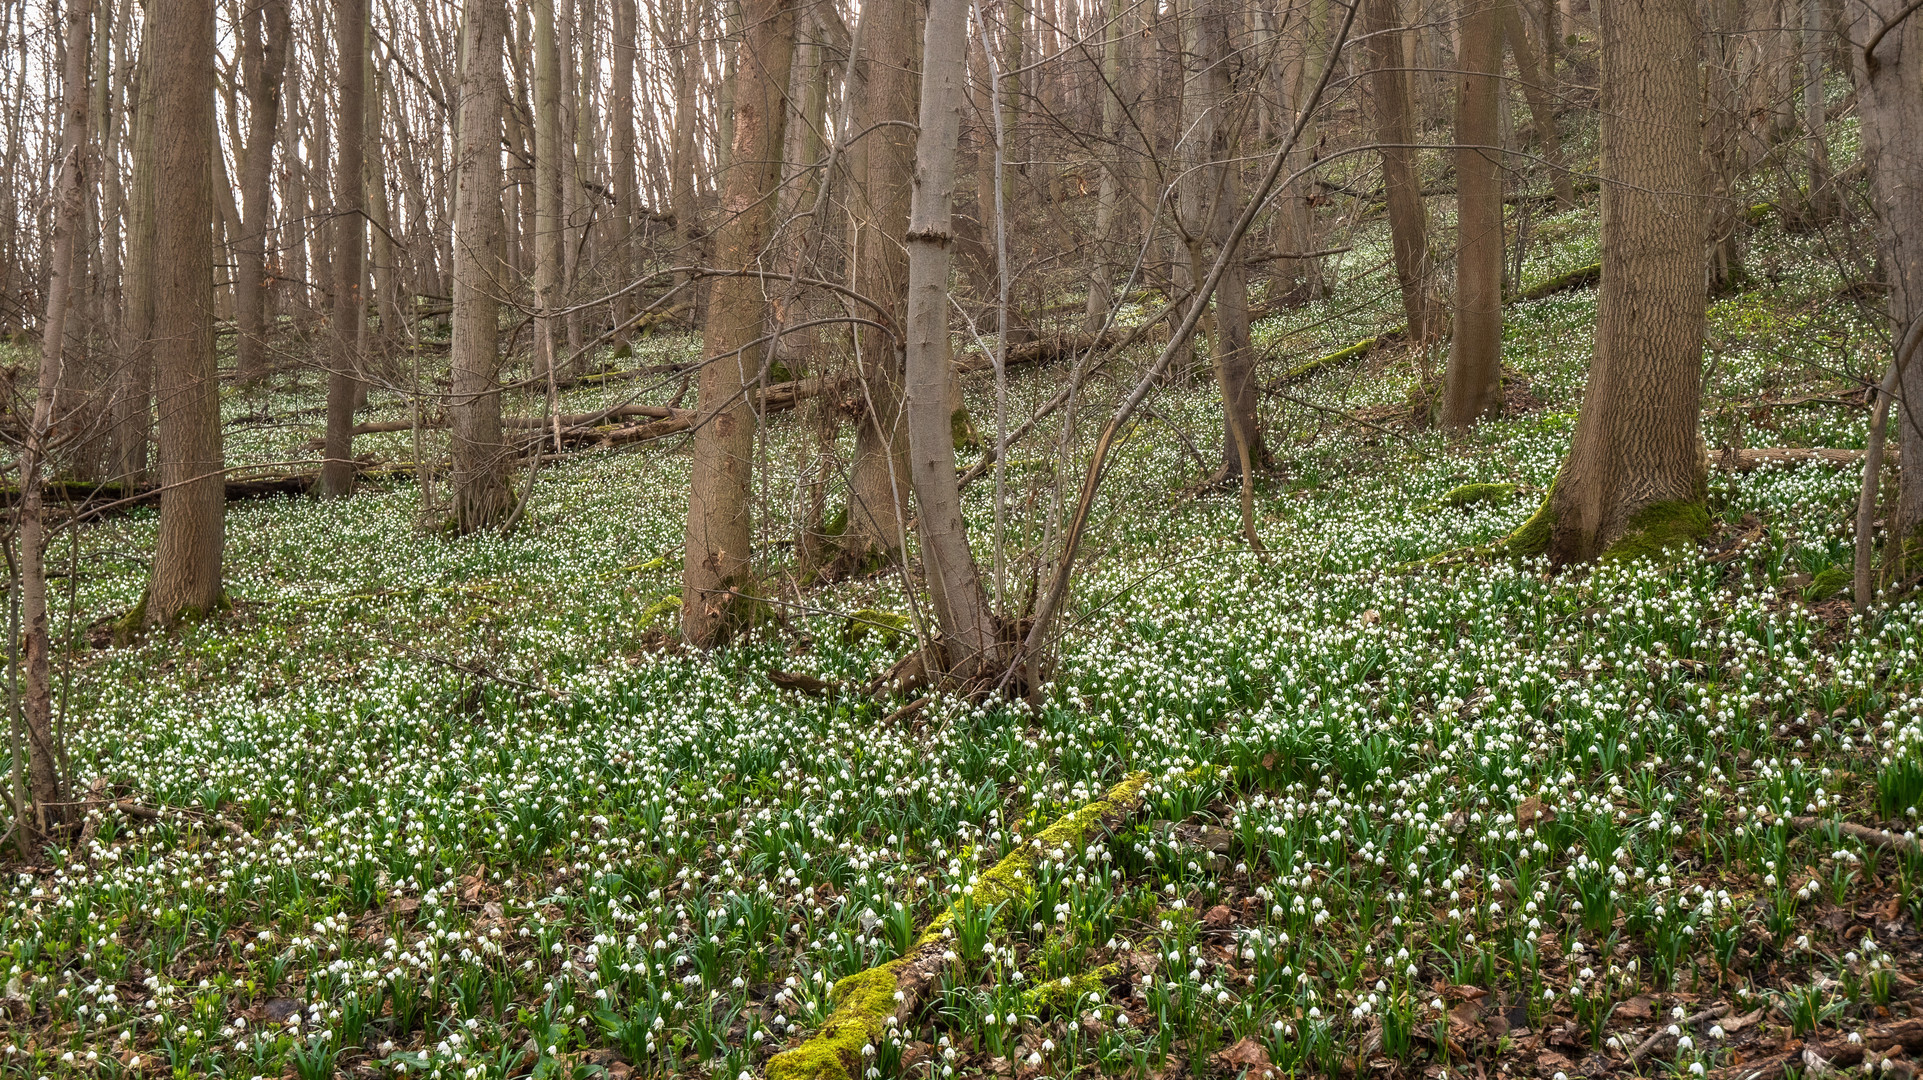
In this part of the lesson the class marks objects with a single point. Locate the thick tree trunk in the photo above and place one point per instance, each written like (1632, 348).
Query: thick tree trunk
(350, 241)
(720, 531)
(969, 627)
(1395, 130)
(481, 497)
(1473, 387)
(265, 34)
(1888, 66)
(187, 550)
(1634, 478)
(882, 165)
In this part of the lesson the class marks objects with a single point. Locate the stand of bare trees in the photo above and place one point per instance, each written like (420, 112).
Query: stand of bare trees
(859, 206)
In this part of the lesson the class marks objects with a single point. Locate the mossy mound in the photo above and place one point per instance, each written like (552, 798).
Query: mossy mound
(1532, 536)
(1827, 583)
(1062, 997)
(1661, 532)
(1478, 494)
(887, 624)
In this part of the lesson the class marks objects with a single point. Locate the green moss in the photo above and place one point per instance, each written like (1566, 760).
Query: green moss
(1830, 581)
(1532, 536)
(1006, 879)
(131, 624)
(1059, 997)
(1360, 348)
(962, 428)
(1475, 494)
(1580, 278)
(863, 1003)
(668, 605)
(1660, 531)
(870, 621)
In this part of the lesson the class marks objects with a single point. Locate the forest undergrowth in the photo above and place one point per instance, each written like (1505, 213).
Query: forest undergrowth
(416, 805)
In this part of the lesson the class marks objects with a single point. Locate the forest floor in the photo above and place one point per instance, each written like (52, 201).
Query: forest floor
(422, 805)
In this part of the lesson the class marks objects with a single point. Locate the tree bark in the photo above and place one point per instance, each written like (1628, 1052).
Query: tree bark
(50, 409)
(1887, 51)
(1395, 130)
(1473, 386)
(133, 394)
(1823, 199)
(187, 552)
(481, 497)
(548, 226)
(1232, 350)
(1723, 158)
(717, 570)
(265, 33)
(1542, 102)
(1635, 472)
(882, 165)
(969, 628)
(627, 192)
(350, 240)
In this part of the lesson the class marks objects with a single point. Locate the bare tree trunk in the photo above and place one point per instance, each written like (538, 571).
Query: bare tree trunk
(548, 225)
(969, 628)
(683, 197)
(1823, 201)
(133, 396)
(1887, 45)
(1634, 479)
(481, 497)
(1100, 288)
(1395, 130)
(1723, 162)
(51, 407)
(187, 552)
(1541, 99)
(350, 240)
(1473, 387)
(627, 192)
(265, 33)
(1552, 45)
(882, 165)
(717, 569)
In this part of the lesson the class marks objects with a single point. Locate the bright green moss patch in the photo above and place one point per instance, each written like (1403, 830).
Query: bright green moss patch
(1830, 581)
(1661, 531)
(1477, 494)
(1532, 536)
(1059, 997)
(863, 1003)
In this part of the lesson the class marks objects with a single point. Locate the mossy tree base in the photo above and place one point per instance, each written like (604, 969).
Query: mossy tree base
(1660, 532)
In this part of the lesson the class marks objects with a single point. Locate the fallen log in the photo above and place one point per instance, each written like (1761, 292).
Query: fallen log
(1819, 1056)
(864, 1001)
(1756, 457)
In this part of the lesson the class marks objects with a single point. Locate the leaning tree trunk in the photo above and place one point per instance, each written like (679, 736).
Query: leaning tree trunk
(716, 571)
(350, 238)
(968, 626)
(1541, 99)
(1395, 130)
(882, 166)
(193, 500)
(1634, 479)
(1888, 63)
(1473, 386)
(265, 31)
(481, 498)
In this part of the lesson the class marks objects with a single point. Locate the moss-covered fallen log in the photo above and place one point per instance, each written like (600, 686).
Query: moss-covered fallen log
(864, 1001)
